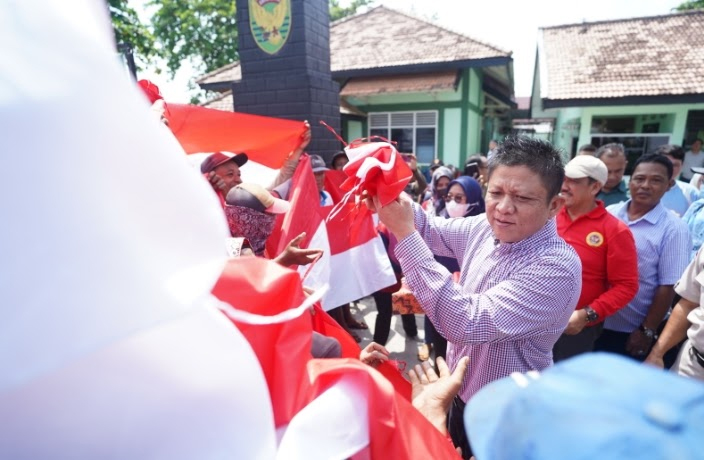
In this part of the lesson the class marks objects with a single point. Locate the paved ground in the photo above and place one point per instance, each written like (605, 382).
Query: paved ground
(401, 348)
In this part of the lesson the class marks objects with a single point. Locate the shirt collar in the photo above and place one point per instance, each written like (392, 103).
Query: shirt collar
(652, 216)
(595, 213)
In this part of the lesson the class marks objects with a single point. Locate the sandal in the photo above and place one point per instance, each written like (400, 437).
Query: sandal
(424, 351)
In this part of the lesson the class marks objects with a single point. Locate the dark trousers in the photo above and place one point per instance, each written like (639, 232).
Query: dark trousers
(455, 426)
(382, 325)
(615, 342)
(432, 336)
(568, 346)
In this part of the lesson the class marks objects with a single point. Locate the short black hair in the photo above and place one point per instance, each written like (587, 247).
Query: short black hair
(587, 148)
(675, 151)
(537, 155)
(655, 158)
(610, 150)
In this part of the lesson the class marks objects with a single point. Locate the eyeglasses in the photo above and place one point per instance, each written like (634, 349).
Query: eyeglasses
(456, 198)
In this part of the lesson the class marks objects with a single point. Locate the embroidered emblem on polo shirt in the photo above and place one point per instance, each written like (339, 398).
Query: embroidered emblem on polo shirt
(595, 239)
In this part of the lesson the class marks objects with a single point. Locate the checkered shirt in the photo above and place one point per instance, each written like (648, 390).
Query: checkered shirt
(512, 302)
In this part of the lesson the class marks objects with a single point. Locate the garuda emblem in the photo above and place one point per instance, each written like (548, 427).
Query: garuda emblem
(270, 21)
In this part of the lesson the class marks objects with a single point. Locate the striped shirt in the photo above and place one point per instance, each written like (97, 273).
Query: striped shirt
(663, 245)
(512, 302)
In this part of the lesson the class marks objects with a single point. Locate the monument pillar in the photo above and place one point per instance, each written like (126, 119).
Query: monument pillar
(284, 49)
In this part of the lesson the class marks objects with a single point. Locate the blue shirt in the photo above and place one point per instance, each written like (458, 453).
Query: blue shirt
(663, 246)
(694, 219)
(680, 197)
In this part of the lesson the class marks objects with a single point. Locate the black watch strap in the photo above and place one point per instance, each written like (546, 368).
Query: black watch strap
(591, 314)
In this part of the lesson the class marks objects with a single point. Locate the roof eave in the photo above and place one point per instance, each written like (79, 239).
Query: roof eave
(422, 68)
(216, 86)
(621, 101)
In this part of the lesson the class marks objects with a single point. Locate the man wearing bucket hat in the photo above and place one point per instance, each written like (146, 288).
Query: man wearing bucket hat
(606, 249)
(592, 406)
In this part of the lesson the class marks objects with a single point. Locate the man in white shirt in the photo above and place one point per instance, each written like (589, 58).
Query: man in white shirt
(694, 158)
(686, 321)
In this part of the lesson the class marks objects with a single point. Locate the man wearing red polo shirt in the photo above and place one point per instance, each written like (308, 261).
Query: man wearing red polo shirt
(606, 249)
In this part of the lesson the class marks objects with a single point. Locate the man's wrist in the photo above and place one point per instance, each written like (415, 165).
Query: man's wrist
(648, 332)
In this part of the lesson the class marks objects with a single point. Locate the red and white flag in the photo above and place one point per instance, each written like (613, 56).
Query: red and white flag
(354, 262)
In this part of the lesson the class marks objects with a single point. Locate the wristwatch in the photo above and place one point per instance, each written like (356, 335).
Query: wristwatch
(591, 314)
(649, 333)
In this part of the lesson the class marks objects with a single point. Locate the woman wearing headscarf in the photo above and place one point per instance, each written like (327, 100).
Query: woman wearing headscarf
(438, 189)
(463, 199)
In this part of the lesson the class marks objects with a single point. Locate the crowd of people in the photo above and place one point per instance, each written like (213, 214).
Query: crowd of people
(519, 261)
(121, 344)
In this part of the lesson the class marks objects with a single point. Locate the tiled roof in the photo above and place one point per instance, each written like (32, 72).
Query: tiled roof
(382, 37)
(222, 102)
(653, 56)
(409, 83)
(229, 73)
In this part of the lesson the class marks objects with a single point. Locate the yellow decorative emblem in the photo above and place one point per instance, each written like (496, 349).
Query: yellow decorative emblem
(270, 22)
(595, 239)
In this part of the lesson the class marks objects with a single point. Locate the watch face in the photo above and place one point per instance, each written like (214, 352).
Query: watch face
(591, 315)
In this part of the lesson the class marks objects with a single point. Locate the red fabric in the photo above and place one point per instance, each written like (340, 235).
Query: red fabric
(394, 375)
(326, 325)
(333, 184)
(263, 287)
(304, 215)
(386, 185)
(150, 90)
(343, 233)
(396, 429)
(265, 140)
(607, 250)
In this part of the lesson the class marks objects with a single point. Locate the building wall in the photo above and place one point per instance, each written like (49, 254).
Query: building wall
(459, 125)
(672, 120)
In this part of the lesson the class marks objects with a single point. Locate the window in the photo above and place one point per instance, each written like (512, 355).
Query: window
(413, 132)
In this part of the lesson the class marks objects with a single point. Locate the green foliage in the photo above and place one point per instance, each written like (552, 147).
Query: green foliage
(691, 5)
(338, 12)
(130, 30)
(201, 31)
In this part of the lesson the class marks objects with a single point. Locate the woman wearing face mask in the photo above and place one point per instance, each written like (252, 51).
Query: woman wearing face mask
(463, 199)
(435, 203)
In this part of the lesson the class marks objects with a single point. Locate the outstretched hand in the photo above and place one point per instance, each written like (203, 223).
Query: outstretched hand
(374, 354)
(305, 140)
(432, 394)
(294, 255)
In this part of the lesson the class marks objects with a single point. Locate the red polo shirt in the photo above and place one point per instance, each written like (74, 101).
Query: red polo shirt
(607, 250)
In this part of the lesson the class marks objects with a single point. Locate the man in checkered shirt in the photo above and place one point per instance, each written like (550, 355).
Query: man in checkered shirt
(519, 281)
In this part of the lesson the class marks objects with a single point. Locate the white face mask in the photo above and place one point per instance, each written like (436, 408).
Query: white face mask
(454, 209)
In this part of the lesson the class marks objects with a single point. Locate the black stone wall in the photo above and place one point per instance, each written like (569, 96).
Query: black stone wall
(295, 83)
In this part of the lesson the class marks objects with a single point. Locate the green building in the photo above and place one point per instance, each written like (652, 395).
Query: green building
(636, 81)
(435, 92)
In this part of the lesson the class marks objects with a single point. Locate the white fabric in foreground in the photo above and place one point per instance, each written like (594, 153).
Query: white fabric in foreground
(335, 423)
(111, 245)
(182, 390)
(106, 230)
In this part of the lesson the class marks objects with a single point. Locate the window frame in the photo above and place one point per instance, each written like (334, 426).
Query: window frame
(414, 127)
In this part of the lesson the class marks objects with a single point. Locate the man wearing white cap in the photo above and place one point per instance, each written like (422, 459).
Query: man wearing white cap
(606, 248)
